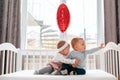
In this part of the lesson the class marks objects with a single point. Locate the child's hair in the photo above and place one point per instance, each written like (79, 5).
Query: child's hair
(60, 44)
(74, 41)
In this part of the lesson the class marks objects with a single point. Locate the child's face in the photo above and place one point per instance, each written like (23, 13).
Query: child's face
(65, 51)
(80, 46)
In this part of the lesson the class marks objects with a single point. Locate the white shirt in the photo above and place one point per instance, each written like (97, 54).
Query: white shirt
(61, 58)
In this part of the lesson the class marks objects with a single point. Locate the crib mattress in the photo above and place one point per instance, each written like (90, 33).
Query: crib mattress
(28, 75)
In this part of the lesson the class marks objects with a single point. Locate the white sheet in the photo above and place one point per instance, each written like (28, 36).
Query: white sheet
(28, 75)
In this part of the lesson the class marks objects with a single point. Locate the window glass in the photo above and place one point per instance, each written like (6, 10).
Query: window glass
(42, 28)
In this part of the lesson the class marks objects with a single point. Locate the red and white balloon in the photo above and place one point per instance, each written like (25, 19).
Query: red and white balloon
(63, 17)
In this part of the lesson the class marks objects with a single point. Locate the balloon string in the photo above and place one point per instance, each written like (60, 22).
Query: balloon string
(63, 35)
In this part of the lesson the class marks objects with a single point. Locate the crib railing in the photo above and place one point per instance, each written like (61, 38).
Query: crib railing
(112, 59)
(109, 58)
(8, 58)
(35, 59)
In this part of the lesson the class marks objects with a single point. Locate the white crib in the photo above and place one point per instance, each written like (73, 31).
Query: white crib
(107, 59)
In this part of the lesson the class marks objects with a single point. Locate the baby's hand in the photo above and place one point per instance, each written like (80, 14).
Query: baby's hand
(74, 65)
(77, 61)
(101, 45)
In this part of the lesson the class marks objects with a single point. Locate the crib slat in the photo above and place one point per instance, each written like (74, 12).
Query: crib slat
(14, 62)
(119, 63)
(11, 61)
(113, 63)
(7, 62)
(116, 64)
(40, 60)
(102, 61)
(105, 56)
(110, 61)
(47, 57)
(27, 61)
(19, 61)
(106, 62)
(93, 65)
(3, 61)
(33, 60)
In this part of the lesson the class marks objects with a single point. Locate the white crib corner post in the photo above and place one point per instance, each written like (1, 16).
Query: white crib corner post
(19, 61)
(102, 60)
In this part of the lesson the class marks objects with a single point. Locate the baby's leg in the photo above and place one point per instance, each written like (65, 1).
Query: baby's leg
(56, 72)
(80, 71)
(67, 67)
(47, 69)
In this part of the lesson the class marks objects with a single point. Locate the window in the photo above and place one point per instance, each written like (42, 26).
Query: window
(41, 26)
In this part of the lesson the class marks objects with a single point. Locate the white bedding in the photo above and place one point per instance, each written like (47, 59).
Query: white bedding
(28, 75)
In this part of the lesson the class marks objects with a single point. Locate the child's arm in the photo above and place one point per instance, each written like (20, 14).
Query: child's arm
(76, 63)
(63, 59)
(70, 61)
(94, 49)
(77, 59)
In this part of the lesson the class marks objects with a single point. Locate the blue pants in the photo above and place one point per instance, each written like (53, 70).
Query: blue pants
(70, 68)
